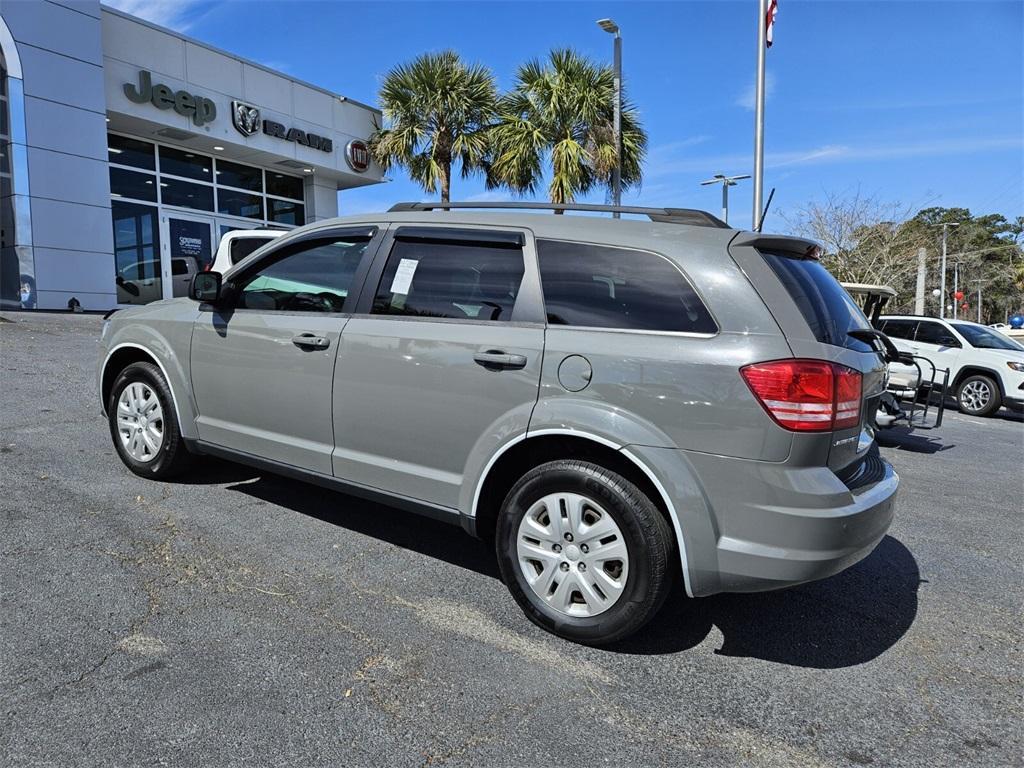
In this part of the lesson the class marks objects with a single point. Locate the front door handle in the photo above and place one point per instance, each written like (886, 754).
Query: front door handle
(497, 360)
(311, 341)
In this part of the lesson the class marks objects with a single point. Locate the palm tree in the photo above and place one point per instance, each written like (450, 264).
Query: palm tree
(437, 110)
(562, 111)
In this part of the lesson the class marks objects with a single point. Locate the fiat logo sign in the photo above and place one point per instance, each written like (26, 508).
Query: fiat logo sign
(358, 155)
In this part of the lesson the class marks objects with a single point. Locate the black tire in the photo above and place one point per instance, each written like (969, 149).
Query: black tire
(971, 389)
(172, 457)
(648, 539)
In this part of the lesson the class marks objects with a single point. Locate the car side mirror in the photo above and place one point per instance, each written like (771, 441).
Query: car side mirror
(206, 287)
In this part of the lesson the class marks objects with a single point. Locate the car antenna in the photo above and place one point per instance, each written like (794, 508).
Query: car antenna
(765, 211)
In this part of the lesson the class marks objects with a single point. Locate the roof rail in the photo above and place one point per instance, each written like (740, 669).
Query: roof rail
(666, 215)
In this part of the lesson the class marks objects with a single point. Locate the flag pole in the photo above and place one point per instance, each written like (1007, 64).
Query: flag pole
(762, 44)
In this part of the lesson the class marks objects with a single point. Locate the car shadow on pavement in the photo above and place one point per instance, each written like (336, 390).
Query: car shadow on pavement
(408, 530)
(906, 439)
(842, 621)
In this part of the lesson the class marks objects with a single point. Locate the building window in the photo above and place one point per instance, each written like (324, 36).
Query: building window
(17, 258)
(149, 180)
(282, 185)
(233, 202)
(133, 185)
(239, 176)
(186, 194)
(179, 162)
(122, 150)
(286, 212)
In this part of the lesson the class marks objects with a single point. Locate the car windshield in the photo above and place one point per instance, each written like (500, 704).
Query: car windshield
(983, 338)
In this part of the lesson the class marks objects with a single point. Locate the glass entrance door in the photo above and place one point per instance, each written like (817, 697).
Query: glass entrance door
(189, 248)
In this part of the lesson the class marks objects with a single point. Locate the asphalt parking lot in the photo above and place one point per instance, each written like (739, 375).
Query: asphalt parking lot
(235, 618)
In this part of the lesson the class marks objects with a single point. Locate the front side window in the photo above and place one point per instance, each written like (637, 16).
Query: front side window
(457, 280)
(311, 277)
(603, 287)
(936, 333)
(984, 338)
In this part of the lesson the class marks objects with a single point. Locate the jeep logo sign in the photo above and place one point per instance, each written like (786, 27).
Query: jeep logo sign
(358, 155)
(201, 109)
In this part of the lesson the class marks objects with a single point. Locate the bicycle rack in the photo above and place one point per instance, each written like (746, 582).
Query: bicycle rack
(917, 416)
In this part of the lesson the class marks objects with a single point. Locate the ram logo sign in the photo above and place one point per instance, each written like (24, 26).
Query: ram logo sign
(245, 117)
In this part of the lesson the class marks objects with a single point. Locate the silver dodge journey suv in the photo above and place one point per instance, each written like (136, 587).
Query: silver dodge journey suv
(612, 402)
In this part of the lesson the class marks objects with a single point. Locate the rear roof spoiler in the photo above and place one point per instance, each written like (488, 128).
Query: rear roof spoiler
(787, 243)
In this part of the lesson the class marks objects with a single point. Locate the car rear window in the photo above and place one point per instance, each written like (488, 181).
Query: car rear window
(243, 246)
(597, 286)
(828, 309)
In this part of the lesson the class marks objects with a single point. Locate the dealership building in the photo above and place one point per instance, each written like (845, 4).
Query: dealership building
(127, 148)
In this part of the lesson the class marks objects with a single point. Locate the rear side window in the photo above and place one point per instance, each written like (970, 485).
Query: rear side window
(603, 287)
(456, 280)
(829, 310)
(898, 329)
(243, 246)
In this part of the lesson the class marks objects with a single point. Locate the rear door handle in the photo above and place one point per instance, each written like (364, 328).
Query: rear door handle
(496, 360)
(311, 341)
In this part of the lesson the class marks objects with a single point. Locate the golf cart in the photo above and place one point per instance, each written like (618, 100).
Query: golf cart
(912, 380)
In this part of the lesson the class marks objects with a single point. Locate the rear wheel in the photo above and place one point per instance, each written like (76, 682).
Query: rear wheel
(978, 396)
(144, 423)
(583, 551)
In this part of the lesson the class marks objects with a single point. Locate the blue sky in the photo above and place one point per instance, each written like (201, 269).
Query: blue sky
(920, 103)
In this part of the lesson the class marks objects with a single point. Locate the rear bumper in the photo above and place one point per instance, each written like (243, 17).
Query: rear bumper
(826, 541)
(750, 526)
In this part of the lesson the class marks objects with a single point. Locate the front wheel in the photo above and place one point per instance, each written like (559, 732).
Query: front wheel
(584, 552)
(978, 396)
(144, 423)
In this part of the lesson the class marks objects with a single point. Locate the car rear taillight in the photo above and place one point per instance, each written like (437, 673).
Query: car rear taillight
(807, 395)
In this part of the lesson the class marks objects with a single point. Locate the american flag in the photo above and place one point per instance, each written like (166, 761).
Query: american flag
(769, 20)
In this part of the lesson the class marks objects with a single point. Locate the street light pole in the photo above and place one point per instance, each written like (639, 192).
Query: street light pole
(612, 28)
(942, 304)
(726, 182)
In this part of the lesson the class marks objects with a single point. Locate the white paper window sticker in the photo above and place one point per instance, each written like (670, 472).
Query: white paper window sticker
(403, 276)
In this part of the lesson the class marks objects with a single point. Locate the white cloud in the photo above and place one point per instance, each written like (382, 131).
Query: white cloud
(747, 98)
(831, 153)
(178, 15)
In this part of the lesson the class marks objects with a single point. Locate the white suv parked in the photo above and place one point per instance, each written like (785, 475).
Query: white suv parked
(986, 368)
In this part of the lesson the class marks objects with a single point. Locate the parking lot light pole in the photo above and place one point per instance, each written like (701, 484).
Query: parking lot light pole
(942, 287)
(726, 182)
(612, 28)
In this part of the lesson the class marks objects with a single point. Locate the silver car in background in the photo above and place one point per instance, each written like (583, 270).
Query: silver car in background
(612, 403)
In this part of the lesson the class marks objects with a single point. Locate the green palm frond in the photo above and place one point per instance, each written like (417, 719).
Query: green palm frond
(561, 113)
(437, 111)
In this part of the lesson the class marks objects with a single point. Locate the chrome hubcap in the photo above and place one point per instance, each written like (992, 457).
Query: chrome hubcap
(975, 395)
(140, 421)
(572, 554)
